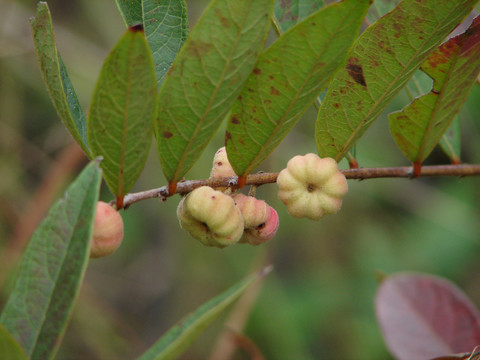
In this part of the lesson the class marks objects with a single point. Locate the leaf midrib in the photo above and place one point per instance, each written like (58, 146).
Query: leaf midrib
(294, 99)
(200, 123)
(436, 106)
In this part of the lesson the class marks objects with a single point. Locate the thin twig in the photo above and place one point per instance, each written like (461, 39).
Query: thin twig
(184, 187)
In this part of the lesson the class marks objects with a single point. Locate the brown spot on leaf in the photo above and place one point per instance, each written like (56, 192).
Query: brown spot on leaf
(223, 20)
(274, 91)
(271, 77)
(198, 48)
(355, 70)
(336, 105)
(239, 97)
(235, 119)
(257, 71)
(228, 136)
(167, 134)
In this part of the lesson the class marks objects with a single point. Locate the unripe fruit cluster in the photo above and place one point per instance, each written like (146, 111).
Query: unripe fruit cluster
(217, 219)
(107, 231)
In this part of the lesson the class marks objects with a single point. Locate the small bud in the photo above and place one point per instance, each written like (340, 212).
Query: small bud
(107, 231)
(260, 219)
(211, 217)
(311, 186)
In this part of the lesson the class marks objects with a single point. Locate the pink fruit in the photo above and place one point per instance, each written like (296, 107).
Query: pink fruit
(107, 231)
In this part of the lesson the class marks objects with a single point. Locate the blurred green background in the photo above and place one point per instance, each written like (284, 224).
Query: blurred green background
(318, 302)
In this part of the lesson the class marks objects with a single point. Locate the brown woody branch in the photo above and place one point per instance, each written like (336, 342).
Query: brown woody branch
(186, 186)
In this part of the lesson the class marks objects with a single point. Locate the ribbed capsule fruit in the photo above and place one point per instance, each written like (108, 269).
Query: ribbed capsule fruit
(107, 231)
(211, 217)
(260, 219)
(311, 186)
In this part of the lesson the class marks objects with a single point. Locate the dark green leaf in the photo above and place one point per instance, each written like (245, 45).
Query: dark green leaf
(288, 77)
(288, 13)
(206, 77)
(131, 11)
(179, 337)
(384, 57)
(454, 67)
(52, 269)
(166, 29)
(56, 77)
(10, 349)
(121, 115)
(451, 142)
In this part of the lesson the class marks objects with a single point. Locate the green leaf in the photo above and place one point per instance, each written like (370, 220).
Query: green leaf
(288, 13)
(166, 29)
(52, 269)
(10, 349)
(382, 60)
(288, 77)
(131, 11)
(454, 67)
(56, 77)
(451, 142)
(206, 77)
(120, 121)
(379, 8)
(179, 337)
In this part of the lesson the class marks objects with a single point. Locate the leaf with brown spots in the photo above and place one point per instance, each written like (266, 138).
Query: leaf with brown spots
(389, 52)
(120, 121)
(205, 79)
(454, 67)
(291, 74)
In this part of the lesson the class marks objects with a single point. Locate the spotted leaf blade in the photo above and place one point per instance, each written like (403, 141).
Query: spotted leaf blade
(287, 79)
(121, 114)
(382, 60)
(454, 67)
(206, 77)
(56, 77)
(52, 269)
(288, 13)
(166, 29)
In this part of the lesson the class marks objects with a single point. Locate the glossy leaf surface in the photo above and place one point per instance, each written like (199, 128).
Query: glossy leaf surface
(56, 77)
(166, 29)
(206, 77)
(10, 349)
(121, 114)
(454, 66)
(288, 13)
(178, 338)
(52, 269)
(382, 60)
(131, 11)
(287, 79)
(423, 316)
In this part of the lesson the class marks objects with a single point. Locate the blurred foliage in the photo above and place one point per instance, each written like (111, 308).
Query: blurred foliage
(318, 302)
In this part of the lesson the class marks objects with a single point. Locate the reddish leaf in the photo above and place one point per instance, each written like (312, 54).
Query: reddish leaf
(423, 317)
